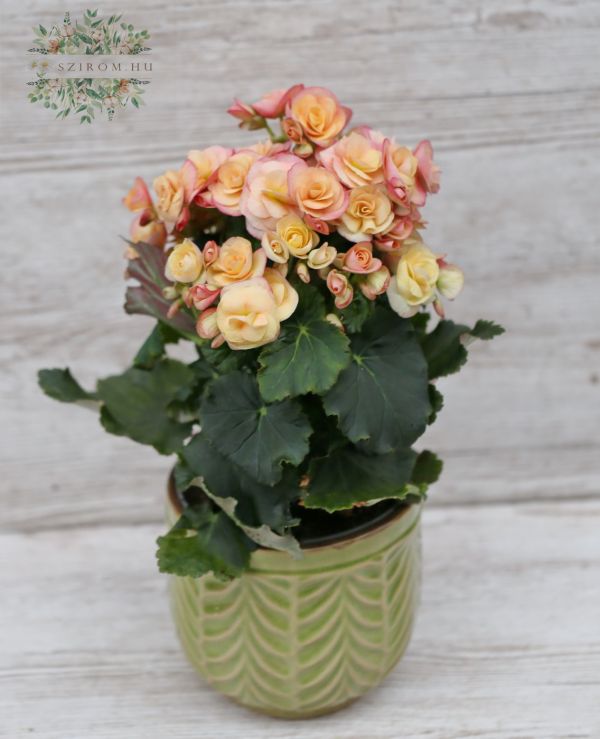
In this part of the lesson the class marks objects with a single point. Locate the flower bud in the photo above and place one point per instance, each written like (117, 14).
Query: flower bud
(450, 281)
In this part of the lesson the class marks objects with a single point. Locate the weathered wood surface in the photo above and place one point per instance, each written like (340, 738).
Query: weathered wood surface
(511, 99)
(507, 642)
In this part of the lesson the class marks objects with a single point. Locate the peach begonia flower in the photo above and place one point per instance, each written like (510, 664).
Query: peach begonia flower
(369, 212)
(272, 105)
(226, 189)
(359, 259)
(319, 113)
(400, 171)
(317, 192)
(265, 197)
(200, 169)
(268, 148)
(248, 119)
(356, 159)
(138, 198)
(402, 227)
(338, 285)
(145, 228)
(236, 262)
(414, 282)
(171, 204)
(247, 314)
(201, 296)
(185, 263)
(210, 252)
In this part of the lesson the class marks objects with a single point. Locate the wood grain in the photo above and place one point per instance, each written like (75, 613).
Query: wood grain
(506, 643)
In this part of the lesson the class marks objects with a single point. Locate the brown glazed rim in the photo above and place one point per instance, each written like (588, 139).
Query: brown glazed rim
(367, 527)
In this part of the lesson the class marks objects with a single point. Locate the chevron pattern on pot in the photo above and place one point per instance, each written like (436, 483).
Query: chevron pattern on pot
(302, 638)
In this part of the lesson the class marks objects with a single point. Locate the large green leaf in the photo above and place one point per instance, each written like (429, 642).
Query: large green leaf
(382, 395)
(139, 402)
(348, 476)
(256, 436)
(148, 269)
(204, 541)
(61, 385)
(308, 355)
(257, 503)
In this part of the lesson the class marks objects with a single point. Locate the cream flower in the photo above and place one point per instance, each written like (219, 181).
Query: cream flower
(317, 192)
(356, 159)
(296, 235)
(414, 283)
(275, 249)
(286, 298)
(319, 113)
(226, 190)
(321, 257)
(369, 212)
(185, 263)
(236, 262)
(265, 197)
(247, 314)
(450, 281)
(375, 283)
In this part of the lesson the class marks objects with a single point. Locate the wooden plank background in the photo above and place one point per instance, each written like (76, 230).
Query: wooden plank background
(508, 643)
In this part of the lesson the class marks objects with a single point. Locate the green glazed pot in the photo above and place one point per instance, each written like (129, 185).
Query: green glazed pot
(300, 638)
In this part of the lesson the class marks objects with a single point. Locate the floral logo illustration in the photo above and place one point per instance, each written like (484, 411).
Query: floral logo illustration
(87, 96)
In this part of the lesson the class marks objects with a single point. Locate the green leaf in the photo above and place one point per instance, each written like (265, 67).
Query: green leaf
(486, 330)
(138, 404)
(255, 436)
(262, 534)
(153, 348)
(204, 541)
(61, 385)
(256, 503)
(307, 357)
(427, 469)
(444, 350)
(382, 395)
(348, 476)
(147, 298)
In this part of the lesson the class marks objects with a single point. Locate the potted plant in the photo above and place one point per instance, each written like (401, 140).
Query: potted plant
(297, 269)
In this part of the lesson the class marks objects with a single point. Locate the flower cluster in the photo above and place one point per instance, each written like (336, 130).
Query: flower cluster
(318, 202)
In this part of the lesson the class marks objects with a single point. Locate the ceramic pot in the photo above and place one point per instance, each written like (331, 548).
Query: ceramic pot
(300, 638)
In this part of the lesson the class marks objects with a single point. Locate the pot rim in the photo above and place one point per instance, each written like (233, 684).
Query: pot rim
(368, 541)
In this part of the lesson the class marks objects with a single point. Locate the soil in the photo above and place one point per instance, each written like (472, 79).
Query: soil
(318, 527)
